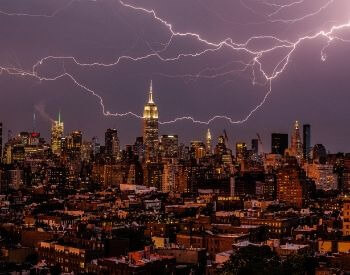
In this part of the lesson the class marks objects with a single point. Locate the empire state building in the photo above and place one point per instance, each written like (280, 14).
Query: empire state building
(150, 128)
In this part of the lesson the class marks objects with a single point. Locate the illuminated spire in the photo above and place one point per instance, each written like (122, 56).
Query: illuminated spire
(208, 142)
(296, 125)
(208, 135)
(150, 97)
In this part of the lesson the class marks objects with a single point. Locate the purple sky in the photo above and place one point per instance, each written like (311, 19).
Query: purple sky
(308, 90)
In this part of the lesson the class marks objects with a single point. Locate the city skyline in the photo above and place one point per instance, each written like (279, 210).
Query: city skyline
(306, 91)
(58, 124)
(174, 137)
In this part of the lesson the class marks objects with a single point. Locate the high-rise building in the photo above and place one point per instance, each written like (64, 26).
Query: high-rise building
(306, 141)
(293, 187)
(319, 153)
(198, 149)
(112, 145)
(255, 146)
(57, 129)
(279, 143)
(220, 148)
(73, 142)
(169, 146)
(208, 142)
(139, 148)
(169, 175)
(150, 128)
(95, 146)
(296, 148)
(241, 151)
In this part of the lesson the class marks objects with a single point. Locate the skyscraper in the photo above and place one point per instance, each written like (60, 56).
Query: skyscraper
(293, 187)
(208, 142)
(57, 135)
(73, 142)
(279, 143)
(150, 128)
(198, 149)
(296, 148)
(241, 151)
(169, 146)
(306, 141)
(255, 146)
(112, 145)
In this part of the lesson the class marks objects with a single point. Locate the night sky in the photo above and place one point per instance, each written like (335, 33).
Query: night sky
(308, 90)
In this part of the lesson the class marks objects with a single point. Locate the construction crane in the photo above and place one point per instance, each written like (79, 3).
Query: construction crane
(226, 137)
(259, 139)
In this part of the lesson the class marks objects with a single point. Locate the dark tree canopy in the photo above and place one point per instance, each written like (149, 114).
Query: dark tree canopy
(261, 260)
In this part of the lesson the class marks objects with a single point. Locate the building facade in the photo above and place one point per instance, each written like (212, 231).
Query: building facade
(150, 128)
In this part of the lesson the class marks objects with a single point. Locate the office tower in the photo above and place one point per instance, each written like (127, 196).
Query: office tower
(296, 148)
(139, 148)
(306, 141)
(293, 187)
(223, 153)
(169, 146)
(77, 138)
(95, 146)
(74, 141)
(319, 153)
(255, 146)
(112, 145)
(220, 148)
(152, 175)
(208, 142)
(198, 149)
(34, 138)
(241, 151)
(279, 143)
(86, 151)
(169, 177)
(0, 142)
(150, 128)
(57, 129)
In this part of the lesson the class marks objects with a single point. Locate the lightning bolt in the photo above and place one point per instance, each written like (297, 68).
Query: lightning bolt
(255, 62)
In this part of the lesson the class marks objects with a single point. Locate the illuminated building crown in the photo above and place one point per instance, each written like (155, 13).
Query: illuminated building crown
(150, 111)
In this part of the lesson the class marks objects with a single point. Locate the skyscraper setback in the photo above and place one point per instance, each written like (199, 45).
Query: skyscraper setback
(208, 142)
(150, 128)
(296, 148)
(57, 135)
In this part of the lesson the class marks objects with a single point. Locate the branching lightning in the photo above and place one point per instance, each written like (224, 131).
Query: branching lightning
(255, 63)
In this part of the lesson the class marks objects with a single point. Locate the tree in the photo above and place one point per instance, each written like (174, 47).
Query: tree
(252, 260)
(262, 260)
